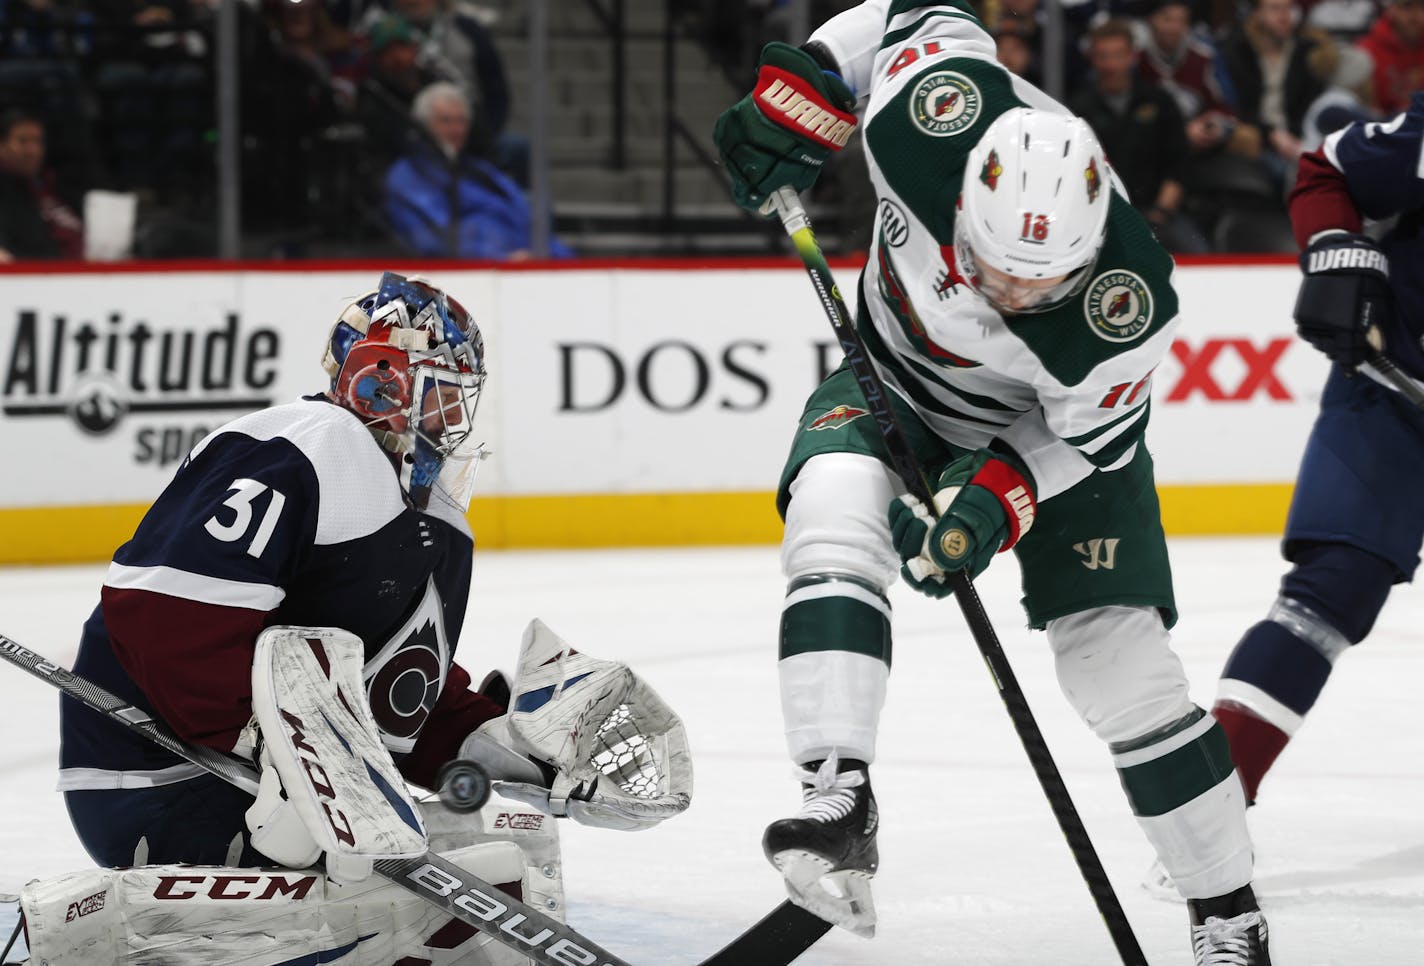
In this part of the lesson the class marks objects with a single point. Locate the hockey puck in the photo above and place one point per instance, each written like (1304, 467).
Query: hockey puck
(464, 785)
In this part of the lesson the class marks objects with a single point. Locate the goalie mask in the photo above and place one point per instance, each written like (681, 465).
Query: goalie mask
(1033, 211)
(408, 361)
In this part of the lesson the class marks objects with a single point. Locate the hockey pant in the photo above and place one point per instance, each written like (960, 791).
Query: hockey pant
(1114, 665)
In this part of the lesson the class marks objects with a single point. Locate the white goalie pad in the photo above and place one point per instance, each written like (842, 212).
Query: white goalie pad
(618, 751)
(328, 783)
(205, 915)
(506, 821)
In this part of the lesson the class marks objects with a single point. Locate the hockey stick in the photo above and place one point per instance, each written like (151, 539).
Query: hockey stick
(798, 226)
(1407, 387)
(777, 939)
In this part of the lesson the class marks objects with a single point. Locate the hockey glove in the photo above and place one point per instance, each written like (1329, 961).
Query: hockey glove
(985, 506)
(783, 131)
(585, 739)
(1345, 299)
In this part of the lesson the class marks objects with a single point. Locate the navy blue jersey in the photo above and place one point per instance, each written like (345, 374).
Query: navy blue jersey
(1376, 169)
(291, 515)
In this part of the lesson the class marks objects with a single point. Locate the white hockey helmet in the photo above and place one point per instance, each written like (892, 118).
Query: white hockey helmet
(1033, 210)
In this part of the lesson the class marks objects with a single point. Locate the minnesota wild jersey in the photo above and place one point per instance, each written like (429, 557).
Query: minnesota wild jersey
(1068, 389)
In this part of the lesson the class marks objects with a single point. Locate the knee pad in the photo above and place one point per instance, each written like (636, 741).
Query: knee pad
(837, 521)
(1117, 671)
(1344, 585)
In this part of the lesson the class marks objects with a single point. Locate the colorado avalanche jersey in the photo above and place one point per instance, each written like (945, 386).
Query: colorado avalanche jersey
(290, 515)
(1066, 389)
(1381, 166)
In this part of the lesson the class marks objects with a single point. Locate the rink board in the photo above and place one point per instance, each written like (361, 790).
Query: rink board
(628, 404)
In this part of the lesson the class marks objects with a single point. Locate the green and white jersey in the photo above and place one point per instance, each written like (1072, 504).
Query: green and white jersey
(1067, 389)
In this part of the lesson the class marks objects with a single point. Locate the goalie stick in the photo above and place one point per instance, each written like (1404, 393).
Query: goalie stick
(778, 939)
(798, 226)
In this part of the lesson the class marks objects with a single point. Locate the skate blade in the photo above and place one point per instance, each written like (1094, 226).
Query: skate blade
(1159, 885)
(842, 897)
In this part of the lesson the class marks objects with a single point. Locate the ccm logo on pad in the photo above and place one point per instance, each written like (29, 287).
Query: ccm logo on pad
(233, 886)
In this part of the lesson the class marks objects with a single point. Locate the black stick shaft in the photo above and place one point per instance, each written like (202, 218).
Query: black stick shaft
(798, 226)
(1407, 387)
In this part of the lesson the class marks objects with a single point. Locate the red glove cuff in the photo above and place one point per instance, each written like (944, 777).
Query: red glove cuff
(1014, 495)
(792, 102)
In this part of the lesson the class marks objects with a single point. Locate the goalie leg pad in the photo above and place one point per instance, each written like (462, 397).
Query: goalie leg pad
(181, 914)
(505, 821)
(322, 750)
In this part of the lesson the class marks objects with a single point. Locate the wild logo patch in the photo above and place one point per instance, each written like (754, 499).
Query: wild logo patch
(1095, 180)
(992, 171)
(1118, 306)
(836, 418)
(945, 103)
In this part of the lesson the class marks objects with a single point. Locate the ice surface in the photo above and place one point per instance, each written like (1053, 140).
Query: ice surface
(974, 870)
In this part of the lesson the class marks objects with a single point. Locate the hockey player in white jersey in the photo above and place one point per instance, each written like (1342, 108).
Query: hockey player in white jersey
(294, 598)
(1016, 306)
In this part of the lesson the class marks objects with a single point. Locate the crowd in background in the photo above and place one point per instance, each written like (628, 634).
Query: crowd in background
(384, 123)
(118, 97)
(1204, 106)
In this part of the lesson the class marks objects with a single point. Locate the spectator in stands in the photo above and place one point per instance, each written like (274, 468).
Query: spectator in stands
(1346, 21)
(1014, 48)
(34, 221)
(306, 36)
(1025, 19)
(458, 48)
(1142, 132)
(291, 94)
(395, 75)
(444, 201)
(1184, 64)
(1396, 45)
(32, 29)
(152, 31)
(1277, 68)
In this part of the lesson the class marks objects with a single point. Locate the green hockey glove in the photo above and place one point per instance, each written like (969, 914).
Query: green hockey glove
(784, 130)
(985, 506)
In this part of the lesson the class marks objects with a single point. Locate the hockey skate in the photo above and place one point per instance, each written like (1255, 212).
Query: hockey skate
(827, 851)
(1229, 930)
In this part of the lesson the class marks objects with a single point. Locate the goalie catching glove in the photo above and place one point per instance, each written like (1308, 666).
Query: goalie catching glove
(985, 506)
(585, 738)
(783, 131)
